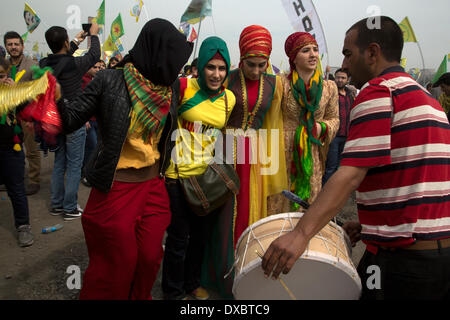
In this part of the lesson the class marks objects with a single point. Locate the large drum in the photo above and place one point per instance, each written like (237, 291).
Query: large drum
(324, 271)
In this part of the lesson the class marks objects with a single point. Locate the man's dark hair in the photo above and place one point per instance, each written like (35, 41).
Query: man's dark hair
(194, 63)
(111, 60)
(2, 52)
(4, 63)
(389, 36)
(12, 35)
(56, 37)
(342, 71)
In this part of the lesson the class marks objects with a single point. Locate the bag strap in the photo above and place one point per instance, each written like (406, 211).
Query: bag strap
(228, 182)
(199, 191)
(226, 108)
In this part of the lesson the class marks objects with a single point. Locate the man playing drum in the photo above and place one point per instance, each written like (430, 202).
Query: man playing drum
(397, 157)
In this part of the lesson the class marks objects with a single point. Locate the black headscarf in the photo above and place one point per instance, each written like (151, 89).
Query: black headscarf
(160, 52)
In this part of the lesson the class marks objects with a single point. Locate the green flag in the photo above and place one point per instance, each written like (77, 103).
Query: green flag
(100, 19)
(197, 11)
(441, 70)
(117, 28)
(25, 36)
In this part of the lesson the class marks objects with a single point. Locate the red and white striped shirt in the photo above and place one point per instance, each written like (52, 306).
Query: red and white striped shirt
(399, 130)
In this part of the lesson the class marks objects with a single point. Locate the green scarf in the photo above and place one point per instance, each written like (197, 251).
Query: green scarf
(150, 103)
(302, 162)
(210, 46)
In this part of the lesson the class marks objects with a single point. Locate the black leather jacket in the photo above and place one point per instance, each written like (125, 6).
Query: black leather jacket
(106, 97)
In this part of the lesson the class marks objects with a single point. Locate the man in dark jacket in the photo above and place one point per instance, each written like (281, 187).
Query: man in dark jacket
(69, 156)
(128, 209)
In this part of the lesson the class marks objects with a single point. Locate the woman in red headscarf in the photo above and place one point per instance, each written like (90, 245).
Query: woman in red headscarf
(311, 118)
(260, 163)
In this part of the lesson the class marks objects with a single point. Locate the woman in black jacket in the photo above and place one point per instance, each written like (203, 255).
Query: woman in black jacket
(128, 209)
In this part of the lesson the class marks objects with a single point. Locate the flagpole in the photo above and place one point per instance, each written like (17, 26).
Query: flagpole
(324, 38)
(214, 25)
(198, 38)
(421, 55)
(146, 13)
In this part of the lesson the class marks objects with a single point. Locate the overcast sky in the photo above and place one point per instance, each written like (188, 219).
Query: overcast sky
(429, 19)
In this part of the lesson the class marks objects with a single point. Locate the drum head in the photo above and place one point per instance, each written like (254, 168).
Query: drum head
(309, 279)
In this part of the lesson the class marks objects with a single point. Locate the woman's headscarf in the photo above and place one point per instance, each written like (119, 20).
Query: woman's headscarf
(210, 46)
(294, 43)
(160, 52)
(255, 41)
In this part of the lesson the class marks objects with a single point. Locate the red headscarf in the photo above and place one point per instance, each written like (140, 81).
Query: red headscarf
(294, 43)
(217, 56)
(255, 41)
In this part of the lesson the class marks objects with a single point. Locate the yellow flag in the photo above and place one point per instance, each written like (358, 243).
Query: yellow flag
(408, 32)
(109, 45)
(403, 63)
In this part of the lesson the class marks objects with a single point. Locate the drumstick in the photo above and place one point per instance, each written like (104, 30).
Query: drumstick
(293, 197)
(281, 281)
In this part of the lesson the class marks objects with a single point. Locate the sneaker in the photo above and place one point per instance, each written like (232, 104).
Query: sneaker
(86, 183)
(32, 188)
(200, 294)
(56, 211)
(75, 214)
(25, 236)
(79, 208)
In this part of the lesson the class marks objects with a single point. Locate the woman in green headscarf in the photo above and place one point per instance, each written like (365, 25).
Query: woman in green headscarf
(205, 106)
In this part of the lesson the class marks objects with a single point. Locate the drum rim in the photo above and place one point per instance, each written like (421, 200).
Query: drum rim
(341, 264)
(296, 214)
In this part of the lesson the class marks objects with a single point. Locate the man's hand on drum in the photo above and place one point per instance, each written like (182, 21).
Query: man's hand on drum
(353, 229)
(283, 253)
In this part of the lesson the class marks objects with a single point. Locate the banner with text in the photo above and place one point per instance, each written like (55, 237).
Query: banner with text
(304, 18)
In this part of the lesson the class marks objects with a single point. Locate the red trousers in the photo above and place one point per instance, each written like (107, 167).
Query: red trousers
(124, 230)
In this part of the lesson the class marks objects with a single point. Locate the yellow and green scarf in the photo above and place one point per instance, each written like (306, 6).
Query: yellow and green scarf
(150, 103)
(302, 162)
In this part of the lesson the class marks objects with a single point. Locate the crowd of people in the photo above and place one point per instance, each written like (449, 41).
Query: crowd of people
(136, 129)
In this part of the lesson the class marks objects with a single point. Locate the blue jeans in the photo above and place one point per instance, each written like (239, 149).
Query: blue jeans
(334, 157)
(12, 170)
(68, 162)
(91, 142)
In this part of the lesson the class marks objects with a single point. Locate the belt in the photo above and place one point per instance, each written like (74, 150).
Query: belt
(422, 245)
(133, 175)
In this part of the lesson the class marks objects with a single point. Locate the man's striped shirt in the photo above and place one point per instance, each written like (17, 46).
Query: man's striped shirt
(399, 130)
